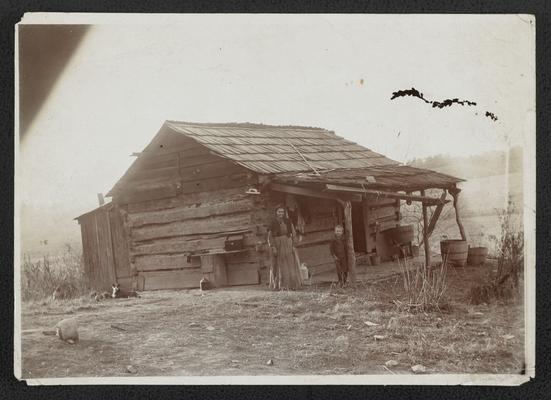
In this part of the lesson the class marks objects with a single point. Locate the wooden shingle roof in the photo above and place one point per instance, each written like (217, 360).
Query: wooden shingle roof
(270, 149)
(292, 154)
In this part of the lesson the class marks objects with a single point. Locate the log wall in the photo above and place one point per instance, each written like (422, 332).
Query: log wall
(181, 201)
(171, 239)
(381, 214)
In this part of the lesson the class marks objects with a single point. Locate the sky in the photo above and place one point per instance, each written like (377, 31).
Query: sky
(332, 71)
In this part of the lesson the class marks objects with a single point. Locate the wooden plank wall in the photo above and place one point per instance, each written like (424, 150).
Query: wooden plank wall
(119, 240)
(97, 250)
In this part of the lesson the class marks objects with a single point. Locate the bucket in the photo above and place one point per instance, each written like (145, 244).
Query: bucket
(303, 272)
(400, 234)
(477, 255)
(415, 251)
(454, 251)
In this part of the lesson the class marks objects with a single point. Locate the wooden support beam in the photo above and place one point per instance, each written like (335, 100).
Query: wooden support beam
(379, 193)
(351, 256)
(455, 194)
(425, 233)
(367, 231)
(436, 214)
(278, 187)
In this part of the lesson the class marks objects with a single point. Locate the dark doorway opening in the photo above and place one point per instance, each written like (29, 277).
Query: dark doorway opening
(358, 230)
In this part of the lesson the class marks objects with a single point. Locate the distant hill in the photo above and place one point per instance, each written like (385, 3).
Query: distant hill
(476, 166)
(489, 186)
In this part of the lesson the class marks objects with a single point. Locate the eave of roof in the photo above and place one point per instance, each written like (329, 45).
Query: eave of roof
(105, 206)
(394, 177)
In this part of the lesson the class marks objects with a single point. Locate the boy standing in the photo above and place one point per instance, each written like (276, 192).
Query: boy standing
(338, 250)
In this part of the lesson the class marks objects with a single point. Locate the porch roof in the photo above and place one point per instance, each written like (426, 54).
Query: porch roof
(385, 177)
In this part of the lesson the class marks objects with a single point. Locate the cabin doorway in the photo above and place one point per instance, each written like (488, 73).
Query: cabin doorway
(358, 229)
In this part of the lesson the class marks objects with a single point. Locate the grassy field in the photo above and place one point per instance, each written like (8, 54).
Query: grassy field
(236, 331)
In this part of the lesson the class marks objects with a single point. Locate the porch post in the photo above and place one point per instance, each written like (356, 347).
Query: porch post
(425, 233)
(455, 194)
(351, 256)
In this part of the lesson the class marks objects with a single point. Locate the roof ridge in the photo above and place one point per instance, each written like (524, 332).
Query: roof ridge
(247, 125)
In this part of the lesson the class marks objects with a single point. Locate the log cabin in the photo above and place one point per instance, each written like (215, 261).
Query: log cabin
(197, 187)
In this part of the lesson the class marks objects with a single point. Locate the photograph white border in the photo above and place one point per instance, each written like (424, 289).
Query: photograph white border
(529, 221)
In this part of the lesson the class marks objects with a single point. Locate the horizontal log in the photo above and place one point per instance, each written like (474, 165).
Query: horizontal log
(222, 224)
(378, 202)
(382, 212)
(190, 156)
(148, 161)
(393, 195)
(319, 206)
(205, 185)
(240, 258)
(184, 244)
(244, 266)
(298, 190)
(316, 237)
(315, 255)
(167, 173)
(243, 277)
(186, 213)
(322, 268)
(211, 262)
(183, 279)
(151, 191)
(125, 282)
(320, 224)
(162, 262)
(193, 152)
(220, 168)
(392, 219)
(189, 199)
(383, 226)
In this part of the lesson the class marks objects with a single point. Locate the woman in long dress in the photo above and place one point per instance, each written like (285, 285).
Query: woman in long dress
(284, 271)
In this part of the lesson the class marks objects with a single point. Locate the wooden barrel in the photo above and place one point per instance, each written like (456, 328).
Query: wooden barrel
(400, 234)
(454, 251)
(477, 255)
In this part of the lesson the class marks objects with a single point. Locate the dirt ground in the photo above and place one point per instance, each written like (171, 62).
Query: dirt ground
(237, 331)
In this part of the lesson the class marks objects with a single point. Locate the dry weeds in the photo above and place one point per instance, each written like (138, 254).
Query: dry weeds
(236, 331)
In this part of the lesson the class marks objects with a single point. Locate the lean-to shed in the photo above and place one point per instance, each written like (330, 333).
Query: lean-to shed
(196, 184)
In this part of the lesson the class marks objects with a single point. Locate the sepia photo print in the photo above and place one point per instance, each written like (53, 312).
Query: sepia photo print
(254, 198)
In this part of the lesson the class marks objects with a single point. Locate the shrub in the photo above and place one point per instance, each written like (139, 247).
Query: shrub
(510, 247)
(40, 278)
(509, 251)
(424, 288)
